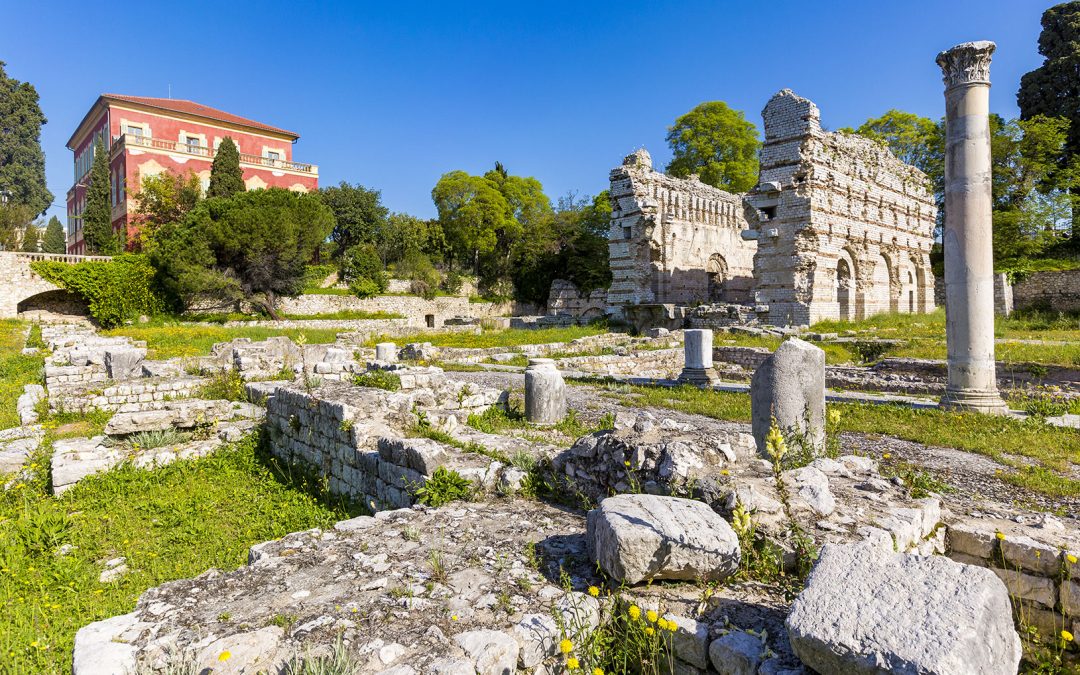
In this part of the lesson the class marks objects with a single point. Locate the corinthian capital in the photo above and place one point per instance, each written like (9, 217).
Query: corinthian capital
(967, 63)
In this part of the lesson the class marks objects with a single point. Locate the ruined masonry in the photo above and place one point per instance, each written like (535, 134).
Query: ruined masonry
(837, 228)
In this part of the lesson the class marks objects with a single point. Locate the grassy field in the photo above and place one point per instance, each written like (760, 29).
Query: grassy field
(171, 523)
(15, 370)
(1040, 455)
(165, 340)
(512, 337)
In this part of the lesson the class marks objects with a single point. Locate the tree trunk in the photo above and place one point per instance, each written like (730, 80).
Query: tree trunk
(268, 304)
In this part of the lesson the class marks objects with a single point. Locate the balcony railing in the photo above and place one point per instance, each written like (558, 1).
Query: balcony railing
(202, 151)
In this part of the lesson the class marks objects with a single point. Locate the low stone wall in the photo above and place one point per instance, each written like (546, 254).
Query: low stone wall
(416, 311)
(654, 363)
(373, 326)
(1059, 291)
(129, 396)
(349, 436)
(1043, 577)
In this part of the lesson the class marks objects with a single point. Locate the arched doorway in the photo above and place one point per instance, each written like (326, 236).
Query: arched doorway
(844, 285)
(717, 271)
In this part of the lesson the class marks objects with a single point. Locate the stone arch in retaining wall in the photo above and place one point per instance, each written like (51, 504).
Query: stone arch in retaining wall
(21, 284)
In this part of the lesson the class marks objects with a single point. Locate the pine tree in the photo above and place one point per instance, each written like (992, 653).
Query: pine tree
(1053, 89)
(97, 217)
(226, 178)
(54, 241)
(22, 164)
(31, 239)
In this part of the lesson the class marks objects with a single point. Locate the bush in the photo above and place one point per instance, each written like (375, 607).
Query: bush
(361, 263)
(314, 275)
(116, 291)
(378, 379)
(443, 487)
(452, 282)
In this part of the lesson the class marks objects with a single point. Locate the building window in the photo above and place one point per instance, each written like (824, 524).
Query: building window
(133, 131)
(192, 143)
(272, 157)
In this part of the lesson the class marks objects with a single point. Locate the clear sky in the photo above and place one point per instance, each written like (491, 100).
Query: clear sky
(392, 95)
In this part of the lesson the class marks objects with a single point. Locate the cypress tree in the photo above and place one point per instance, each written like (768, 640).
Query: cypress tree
(31, 239)
(55, 241)
(226, 178)
(22, 163)
(1053, 89)
(97, 217)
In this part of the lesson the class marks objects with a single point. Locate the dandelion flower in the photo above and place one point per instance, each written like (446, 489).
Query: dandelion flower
(649, 631)
(1066, 636)
(572, 663)
(834, 415)
(594, 591)
(725, 472)
(1000, 536)
(1071, 558)
(597, 671)
(224, 656)
(651, 616)
(566, 646)
(634, 612)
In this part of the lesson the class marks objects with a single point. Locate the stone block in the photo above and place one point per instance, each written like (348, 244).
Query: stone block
(972, 538)
(124, 363)
(1025, 552)
(790, 387)
(1029, 587)
(736, 653)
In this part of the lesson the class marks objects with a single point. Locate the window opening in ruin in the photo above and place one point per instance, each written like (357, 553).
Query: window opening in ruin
(429, 319)
(717, 271)
(626, 232)
(843, 290)
(769, 212)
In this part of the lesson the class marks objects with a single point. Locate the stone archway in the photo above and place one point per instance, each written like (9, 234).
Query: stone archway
(845, 290)
(717, 271)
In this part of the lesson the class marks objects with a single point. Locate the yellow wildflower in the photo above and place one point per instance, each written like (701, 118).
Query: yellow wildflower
(662, 623)
(775, 443)
(597, 671)
(1066, 636)
(566, 646)
(834, 416)
(572, 663)
(1071, 558)
(651, 616)
(1000, 535)
(725, 472)
(649, 631)
(224, 656)
(627, 462)
(594, 591)
(634, 612)
(886, 455)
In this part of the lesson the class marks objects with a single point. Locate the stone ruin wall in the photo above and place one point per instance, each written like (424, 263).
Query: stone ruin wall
(843, 227)
(675, 240)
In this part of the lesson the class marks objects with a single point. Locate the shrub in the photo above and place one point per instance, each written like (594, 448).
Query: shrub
(314, 275)
(378, 379)
(452, 283)
(227, 385)
(443, 487)
(116, 291)
(359, 264)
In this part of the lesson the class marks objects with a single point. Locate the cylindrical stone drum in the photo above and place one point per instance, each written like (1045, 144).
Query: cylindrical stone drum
(697, 348)
(545, 392)
(386, 351)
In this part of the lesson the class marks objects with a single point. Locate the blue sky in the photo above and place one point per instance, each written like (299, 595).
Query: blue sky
(392, 95)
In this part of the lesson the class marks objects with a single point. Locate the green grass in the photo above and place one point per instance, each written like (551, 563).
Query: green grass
(165, 340)
(15, 370)
(327, 291)
(924, 335)
(511, 337)
(346, 315)
(1041, 456)
(170, 523)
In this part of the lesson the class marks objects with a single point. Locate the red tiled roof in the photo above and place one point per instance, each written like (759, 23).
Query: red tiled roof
(193, 108)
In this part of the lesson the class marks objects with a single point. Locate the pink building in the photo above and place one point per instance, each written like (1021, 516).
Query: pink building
(148, 136)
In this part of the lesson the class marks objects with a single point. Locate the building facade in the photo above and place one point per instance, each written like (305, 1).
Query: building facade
(149, 136)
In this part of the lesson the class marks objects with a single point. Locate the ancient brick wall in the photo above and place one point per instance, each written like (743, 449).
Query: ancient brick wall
(675, 240)
(1059, 291)
(843, 228)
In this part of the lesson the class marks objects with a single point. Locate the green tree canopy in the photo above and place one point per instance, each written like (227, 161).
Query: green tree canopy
(55, 240)
(359, 216)
(226, 178)
(22, 163)
(97, 216)
(472, 213)
(164, 198)
(31, 239)
(14, 219)
(717, 143)
(252, 246)
(405, 236)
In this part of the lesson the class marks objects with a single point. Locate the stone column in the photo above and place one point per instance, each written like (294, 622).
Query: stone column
(789, 387)
(386, 352)
(545, 392)
(697, 357)
(969, 258)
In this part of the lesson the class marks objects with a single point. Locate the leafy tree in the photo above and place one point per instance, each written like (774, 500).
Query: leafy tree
(97, 217)
(22, 163)
(404, 235)
(14, 219)
(253, 246)
(362, 270)
(1053, 89)
(31, 239)
(472, 213)
(717, 143)
(55, 240)
(226, 178)
(359, 216)
(164, 198)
